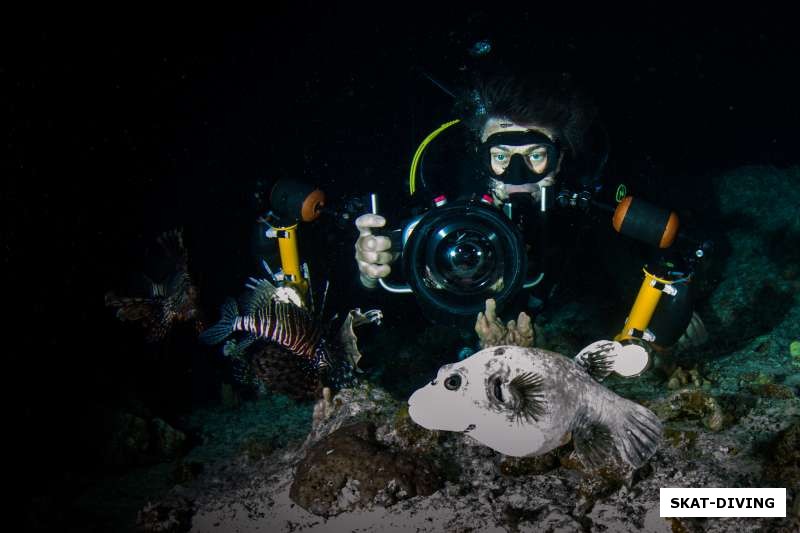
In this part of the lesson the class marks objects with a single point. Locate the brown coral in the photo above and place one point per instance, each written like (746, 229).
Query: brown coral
(681, 378)
(692, 403)
(492, 332)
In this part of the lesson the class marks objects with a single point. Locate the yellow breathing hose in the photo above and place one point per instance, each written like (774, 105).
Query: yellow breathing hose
(412, 176)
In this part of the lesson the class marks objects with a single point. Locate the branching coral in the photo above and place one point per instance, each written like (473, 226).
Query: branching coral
(492, 332)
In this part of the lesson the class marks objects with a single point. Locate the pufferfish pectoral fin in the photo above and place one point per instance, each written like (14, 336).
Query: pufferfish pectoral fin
(597, 358)
(593, 444)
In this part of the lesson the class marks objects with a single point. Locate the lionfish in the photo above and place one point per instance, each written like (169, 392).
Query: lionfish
(164, 303)
(291, 347)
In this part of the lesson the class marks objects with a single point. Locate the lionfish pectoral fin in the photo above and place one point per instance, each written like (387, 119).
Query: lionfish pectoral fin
(222, 329)
(172, 244)
(131, 309)
(147, 312)
(175, 284)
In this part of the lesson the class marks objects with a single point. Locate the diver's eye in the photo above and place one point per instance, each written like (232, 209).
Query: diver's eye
(536, 157)
(500, 159)
(453, 382)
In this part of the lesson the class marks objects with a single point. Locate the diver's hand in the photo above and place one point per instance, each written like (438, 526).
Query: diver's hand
(373, 252)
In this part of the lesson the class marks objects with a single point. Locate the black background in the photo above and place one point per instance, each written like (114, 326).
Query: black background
(125, 126)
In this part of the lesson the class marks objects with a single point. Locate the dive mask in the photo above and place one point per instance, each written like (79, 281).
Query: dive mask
(503, 152)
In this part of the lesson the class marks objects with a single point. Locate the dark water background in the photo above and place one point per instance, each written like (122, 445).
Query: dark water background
(123, 129)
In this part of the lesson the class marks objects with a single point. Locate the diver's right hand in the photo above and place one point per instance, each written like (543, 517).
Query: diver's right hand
(373, 252)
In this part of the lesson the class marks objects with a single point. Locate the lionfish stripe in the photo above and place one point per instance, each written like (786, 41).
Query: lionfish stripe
(277, 329)
(289, 337)
(282, 315)
(284, 325)
(272, 316)
(297, 338)
(266, 316)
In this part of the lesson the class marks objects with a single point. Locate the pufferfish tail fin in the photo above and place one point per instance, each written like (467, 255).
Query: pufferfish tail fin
(636, 432)
(633, 431)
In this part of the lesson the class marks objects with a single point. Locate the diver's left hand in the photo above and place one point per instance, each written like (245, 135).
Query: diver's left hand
(373, 252)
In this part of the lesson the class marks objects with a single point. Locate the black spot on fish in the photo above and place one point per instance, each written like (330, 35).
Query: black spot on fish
(500, 351)
(469, 428)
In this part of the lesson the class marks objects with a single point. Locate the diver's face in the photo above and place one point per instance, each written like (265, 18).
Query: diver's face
(534, 155)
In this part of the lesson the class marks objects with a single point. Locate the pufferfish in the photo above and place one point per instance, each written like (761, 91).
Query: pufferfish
(287, 345)
(161, 304)
(527, 401)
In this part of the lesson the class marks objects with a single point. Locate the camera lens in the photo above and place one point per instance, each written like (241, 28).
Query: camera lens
(459, 255)
(466, 259)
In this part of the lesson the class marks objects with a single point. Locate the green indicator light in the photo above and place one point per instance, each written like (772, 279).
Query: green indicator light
(622, 192)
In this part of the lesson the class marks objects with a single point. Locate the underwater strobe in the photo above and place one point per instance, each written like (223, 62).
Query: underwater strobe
(292, 202)
(663, 306)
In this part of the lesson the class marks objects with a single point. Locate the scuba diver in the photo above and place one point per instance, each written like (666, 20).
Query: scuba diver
(496, 195)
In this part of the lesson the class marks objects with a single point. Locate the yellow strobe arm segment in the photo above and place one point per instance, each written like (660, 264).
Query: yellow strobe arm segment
(643, 307)
(290, 259)
(412, 175)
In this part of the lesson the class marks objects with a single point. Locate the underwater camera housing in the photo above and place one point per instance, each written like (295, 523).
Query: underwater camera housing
(457, 255)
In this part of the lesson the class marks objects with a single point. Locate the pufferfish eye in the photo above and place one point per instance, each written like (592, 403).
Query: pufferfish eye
(498, 390)
(453, 382)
